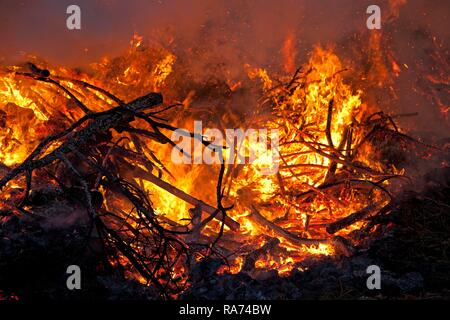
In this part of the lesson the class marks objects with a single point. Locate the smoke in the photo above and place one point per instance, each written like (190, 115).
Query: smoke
(248, 29)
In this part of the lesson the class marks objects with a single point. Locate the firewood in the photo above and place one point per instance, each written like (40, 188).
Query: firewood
(232, 224)
(355, 217)
(272, 229)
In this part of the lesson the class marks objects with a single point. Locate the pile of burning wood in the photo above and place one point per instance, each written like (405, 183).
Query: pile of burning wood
(110, 155)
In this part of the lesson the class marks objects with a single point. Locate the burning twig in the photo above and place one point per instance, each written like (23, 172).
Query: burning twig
(328, 127)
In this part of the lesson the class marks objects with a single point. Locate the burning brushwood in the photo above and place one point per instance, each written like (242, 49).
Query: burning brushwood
(82, 142)
(331, 178)
(116, 118)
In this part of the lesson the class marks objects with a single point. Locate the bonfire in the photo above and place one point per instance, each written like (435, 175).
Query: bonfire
(98, 147)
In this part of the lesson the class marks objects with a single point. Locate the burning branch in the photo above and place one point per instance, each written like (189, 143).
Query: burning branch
(356, 216)
(272, 229)
(233, 225)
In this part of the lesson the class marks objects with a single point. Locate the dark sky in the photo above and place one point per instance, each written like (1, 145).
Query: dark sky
(39, 26)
